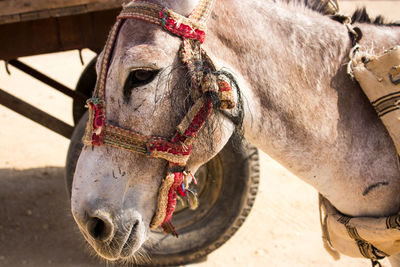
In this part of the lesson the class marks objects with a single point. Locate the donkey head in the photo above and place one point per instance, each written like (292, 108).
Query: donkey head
(148, 91)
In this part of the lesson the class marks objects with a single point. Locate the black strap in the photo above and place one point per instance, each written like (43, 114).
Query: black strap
(354, 32)
(355, 37)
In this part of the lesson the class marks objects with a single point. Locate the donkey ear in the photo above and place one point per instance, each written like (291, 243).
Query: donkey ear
(183, 7)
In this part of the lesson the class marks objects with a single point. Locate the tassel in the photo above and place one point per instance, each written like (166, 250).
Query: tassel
(183, 187)
(185, 174)
(169, 229)
(185, 181)
(180, 200)
(192, 199)
(193, 178)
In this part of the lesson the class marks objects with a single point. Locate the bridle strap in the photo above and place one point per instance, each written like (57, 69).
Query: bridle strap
(205, 81)
(202, 11)
(192, 31)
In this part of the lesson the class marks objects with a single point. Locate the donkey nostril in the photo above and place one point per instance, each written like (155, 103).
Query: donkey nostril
(99, 229)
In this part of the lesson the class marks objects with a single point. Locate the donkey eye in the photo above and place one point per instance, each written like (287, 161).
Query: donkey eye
(139, 77)
(143, 75)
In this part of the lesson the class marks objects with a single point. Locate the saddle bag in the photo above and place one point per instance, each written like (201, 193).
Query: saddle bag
(369, 237)
(379, 77)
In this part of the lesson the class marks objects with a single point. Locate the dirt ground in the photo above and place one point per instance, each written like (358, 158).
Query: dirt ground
(36, 228)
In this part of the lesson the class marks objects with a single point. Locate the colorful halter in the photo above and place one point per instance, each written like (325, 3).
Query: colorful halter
(206, 85)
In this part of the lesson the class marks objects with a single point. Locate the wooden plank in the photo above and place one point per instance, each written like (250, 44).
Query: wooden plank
(35, 114)
(87, 30)
(25, 6)
(77, 96)
(25, 10)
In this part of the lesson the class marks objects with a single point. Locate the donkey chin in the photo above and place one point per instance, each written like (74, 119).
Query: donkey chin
(113, 237)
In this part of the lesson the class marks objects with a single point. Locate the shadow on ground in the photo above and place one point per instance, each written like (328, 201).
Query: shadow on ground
(36, 226)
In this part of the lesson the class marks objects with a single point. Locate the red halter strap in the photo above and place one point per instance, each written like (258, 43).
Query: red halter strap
(177, 150)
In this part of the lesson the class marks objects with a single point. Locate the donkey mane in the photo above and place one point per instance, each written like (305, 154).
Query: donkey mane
(319, 6)
(361, 16)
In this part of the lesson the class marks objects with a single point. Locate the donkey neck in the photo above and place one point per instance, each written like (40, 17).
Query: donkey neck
(301, 108)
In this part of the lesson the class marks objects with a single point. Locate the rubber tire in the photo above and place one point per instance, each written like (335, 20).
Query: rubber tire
(238, 178)
(85, 85)
(74, 150)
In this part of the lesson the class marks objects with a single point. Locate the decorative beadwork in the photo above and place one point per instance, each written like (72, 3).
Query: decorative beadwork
(182, 29)
(192, 30)
(96, 122)
(169, 188)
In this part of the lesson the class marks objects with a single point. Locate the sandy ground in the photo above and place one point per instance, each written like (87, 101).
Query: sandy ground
(36, 228)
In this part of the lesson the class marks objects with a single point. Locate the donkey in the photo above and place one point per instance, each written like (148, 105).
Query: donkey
(298, 105)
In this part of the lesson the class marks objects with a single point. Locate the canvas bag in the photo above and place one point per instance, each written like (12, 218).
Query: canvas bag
(379, 77)
(369, 237)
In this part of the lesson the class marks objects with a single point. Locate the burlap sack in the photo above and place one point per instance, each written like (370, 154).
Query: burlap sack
(368, 237)
(379, 77)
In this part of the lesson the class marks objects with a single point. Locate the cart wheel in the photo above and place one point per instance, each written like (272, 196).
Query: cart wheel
(227, 187)
(74, 150)
(85, 85)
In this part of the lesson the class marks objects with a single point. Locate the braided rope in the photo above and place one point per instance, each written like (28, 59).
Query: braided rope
(142, 11)
(163, 201)
(177, 151)
(202, 11)
(173, 22)
(99, 90)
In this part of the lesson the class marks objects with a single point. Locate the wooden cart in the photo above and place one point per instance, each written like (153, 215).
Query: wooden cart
(33, 27)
